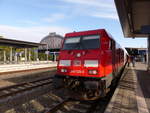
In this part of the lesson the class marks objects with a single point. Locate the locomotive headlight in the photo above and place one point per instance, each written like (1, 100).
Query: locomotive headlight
(64, 62)
(91, 63)
(93, 72)
(63, 70)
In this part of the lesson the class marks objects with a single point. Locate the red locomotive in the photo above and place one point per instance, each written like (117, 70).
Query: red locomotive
(89, 62)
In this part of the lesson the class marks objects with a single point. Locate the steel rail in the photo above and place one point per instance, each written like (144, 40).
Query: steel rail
(58, 106)
(23, 83)
(94, 106)
(22, 87)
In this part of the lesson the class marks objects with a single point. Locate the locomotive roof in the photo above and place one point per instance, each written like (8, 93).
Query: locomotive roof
(88, 32)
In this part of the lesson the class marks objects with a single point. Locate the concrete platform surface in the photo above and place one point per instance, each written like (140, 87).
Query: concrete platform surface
(26, 66)
(133, 92)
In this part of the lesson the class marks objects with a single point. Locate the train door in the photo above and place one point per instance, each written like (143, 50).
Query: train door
(113, 57)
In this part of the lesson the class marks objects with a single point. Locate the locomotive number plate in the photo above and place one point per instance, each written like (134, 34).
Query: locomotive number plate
(77, 71)
(77, 63)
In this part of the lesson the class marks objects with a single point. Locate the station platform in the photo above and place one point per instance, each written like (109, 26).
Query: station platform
(132, 94)
(4, 68)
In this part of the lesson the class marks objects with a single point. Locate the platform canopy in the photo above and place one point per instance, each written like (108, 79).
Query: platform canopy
(18, 43)
(134, 17)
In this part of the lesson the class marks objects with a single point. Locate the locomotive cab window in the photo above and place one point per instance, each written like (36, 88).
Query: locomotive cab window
(72, 40)
(71, 43)
(91, 42)
(83, 42)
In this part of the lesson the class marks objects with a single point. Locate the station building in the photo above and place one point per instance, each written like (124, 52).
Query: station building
(16, 51)
(53, 43)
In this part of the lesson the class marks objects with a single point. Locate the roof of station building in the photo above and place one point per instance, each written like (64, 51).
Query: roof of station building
(52, 41)
(18, 43)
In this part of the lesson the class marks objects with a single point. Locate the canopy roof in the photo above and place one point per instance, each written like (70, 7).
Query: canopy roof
(18, 43)
(134, 17)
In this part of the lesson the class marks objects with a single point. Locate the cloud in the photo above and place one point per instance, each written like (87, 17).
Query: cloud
(106, 15)
(29, 22)
(96, 3)
(54, 17)
(34, 34)
(94, 8)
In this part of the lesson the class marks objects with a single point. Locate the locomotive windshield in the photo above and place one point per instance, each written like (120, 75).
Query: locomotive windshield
(84, 42)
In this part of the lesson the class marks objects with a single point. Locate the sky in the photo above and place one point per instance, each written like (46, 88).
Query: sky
(31, 20)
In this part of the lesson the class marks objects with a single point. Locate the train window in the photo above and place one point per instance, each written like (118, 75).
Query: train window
(72, 40)
(71, 43)
(110, 44)
(85, 42)
(91, 42)
(90, 37)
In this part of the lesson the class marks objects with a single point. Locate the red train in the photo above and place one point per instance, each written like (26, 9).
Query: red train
(89, 62)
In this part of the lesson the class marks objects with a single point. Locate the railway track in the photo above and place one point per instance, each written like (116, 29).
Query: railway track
(58, 106)
(78, 106)
(22, 87)
(75, 106)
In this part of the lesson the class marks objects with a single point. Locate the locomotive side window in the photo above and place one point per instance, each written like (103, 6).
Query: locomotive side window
(110, 44)
(83, 42)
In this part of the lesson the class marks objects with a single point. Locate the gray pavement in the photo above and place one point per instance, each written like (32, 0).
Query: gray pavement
(133, 92)
(26, 66)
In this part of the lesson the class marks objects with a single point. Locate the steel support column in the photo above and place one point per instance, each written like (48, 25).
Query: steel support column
(4, 56)
(54, 56)
(16, 57)
(11, 54)
(37, 55)
(148, 43)
(47, 52)
(29, 54)
(26, 54)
